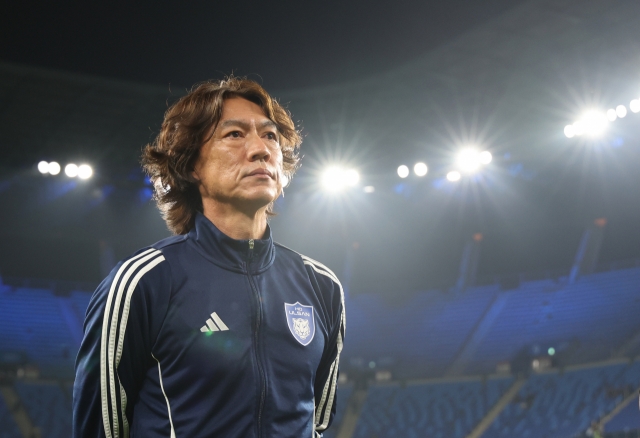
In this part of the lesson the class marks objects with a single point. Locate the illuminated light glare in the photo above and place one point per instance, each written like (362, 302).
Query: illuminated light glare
(420, 169)
(578, 128)
(369, 189)
(569, 132)
(468, 160)
(351, 177)
(43, 167)
(621, 111)
(84, 171)
(453, 176)
(54, 168)
(71, 170)
(611, 115)
(485, 157)
(403, 171)
(336, 179)
(551, 351)
(634, 105)
(594, 123)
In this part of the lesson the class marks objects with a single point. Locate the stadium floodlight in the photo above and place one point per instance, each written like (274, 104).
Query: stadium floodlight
(403, 171)
(453, 176)
(54, 168)
(569, 132)
(594, 122)
(420, 169)
(485, 157)
(84, 171)
(335, 179)
(43, 167)
(578, 128)
(71, 170)
(634, 105)
(369, 189)
(351, 177)
(621, 111)
(611, 115)
(468, 160)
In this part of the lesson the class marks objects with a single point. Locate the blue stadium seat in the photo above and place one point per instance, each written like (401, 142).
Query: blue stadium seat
(559, 405)
(48, 406)
(8, 426)
(438, 410)
(627, 419)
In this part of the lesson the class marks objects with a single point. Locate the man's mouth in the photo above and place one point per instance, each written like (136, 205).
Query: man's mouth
(261, 171)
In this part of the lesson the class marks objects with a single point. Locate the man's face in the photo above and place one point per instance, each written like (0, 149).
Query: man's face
(241, 164)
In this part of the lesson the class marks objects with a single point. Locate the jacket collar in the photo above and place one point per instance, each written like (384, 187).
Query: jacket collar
(230, 253)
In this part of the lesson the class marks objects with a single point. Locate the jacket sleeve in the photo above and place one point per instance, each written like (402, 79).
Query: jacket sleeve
(325, 386)
(115, 352)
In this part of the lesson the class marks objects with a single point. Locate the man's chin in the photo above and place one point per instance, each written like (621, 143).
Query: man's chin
(259, 201)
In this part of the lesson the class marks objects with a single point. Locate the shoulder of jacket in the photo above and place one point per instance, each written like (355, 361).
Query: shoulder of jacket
(311, 264)
(146, 266)
(308, 261)
(318, 268)
(170, 241)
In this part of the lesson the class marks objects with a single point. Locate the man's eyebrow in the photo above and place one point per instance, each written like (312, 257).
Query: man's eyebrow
(246, 125)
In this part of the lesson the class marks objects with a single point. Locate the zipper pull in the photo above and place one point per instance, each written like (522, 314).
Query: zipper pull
(251, 244)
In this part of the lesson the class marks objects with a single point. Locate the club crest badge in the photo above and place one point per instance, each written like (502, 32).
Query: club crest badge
(301, 322)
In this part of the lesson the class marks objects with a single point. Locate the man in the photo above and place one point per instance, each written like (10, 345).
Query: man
(217, 331)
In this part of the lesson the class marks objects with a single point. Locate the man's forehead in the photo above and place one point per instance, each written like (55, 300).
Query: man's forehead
(235, 106)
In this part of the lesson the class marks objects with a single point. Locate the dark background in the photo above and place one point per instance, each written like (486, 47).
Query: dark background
(373, 85)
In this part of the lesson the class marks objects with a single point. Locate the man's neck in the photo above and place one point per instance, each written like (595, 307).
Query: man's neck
(237, 224)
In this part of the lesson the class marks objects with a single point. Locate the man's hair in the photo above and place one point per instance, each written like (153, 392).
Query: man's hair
(170, 159)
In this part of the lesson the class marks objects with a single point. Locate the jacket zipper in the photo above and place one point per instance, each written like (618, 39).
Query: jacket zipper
(256, 337)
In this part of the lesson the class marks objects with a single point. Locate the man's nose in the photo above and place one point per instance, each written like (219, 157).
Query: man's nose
(257, 148)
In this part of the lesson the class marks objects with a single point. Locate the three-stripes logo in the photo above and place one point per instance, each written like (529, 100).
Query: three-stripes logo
(214, 324)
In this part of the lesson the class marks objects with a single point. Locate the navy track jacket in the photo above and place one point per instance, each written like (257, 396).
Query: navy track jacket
(201, 335)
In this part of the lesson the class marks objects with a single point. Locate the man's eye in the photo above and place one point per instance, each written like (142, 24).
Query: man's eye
(234, 134)
(272, 136)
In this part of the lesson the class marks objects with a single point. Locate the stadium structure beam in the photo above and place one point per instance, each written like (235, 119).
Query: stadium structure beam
(588, 251)
(469, 263)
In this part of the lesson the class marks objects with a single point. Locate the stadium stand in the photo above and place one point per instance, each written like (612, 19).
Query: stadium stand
(560, 405)
(49, 407)
(424, 334)
(627, 420)
(439, 410)
(8, 427)
(33, 325)
(575, 319)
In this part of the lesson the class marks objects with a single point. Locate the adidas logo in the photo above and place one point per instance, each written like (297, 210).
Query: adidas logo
(214, 324)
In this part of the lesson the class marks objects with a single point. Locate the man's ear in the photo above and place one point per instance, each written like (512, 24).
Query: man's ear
(194, 175)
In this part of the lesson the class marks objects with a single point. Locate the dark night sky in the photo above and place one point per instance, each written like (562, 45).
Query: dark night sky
(289, 44)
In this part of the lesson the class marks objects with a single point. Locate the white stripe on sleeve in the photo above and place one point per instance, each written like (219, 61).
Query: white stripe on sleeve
(323, 410)
(109, 359)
